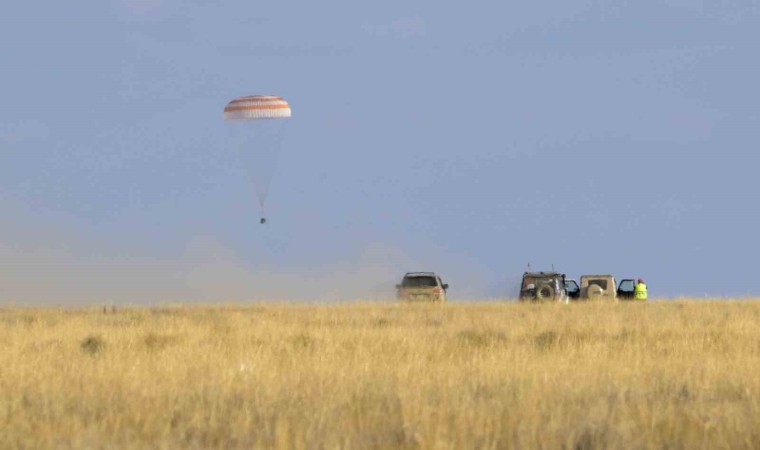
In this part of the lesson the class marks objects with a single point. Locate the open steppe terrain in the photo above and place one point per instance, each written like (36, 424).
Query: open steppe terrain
(668, 374)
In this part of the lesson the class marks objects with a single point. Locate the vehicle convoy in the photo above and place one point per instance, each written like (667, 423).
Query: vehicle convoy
(421, 287)
(547, 287)
(602, 287)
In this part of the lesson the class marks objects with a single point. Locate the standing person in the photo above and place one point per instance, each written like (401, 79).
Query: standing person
(640, 291)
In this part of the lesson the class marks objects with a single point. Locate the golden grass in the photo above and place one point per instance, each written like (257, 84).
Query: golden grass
(680, 374)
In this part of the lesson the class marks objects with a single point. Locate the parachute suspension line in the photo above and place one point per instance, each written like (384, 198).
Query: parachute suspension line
(266, 138)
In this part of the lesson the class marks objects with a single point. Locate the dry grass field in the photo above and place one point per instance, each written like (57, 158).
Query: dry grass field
(681, 374)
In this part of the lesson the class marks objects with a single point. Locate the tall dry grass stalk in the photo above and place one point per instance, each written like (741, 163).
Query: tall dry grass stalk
(680, 374)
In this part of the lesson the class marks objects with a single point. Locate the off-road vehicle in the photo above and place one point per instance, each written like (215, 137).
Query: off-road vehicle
(602, 287)
(598, 287)
(421, 287)
(547, 287)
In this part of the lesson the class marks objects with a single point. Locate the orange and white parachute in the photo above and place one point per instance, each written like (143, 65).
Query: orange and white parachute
(258, 141)
(254, 107)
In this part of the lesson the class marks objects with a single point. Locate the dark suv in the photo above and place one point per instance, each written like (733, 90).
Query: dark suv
(547, 287)
(422, 286)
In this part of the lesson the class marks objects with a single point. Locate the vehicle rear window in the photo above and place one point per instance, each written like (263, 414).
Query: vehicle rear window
(527, 281)
(415, 282)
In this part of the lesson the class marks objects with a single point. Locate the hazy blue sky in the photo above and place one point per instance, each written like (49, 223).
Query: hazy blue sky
(466, 138)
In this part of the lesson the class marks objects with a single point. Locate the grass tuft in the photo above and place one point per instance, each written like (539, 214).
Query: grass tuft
(92, 345)
(546, 340)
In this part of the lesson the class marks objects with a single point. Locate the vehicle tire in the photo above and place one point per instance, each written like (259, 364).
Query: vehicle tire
(595, 291)
(545, 292)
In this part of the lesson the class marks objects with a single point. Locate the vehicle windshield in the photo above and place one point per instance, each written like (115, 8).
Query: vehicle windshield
(532, 282)
(418, 282)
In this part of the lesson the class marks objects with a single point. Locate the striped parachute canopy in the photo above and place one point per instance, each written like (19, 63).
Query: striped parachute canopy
(254, 107)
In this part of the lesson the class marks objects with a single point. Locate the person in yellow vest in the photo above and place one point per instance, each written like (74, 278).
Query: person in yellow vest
(640, 291)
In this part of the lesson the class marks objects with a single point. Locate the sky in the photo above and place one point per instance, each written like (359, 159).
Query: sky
(470, 139)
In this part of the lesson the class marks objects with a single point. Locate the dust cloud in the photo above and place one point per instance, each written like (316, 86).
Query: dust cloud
(51, 258)
(206, 272)
(44, 267)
